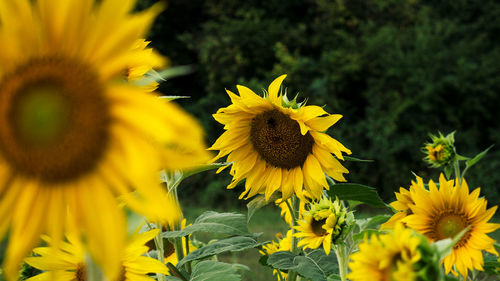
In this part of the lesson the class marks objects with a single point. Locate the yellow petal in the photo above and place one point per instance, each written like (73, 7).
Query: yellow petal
(274, 89)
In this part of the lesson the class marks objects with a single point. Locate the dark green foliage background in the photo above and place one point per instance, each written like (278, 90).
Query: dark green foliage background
(396, 70)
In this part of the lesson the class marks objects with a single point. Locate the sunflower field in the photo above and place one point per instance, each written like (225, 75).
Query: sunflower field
(258, 140)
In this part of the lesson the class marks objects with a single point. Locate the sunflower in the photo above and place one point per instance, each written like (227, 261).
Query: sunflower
(169, 249)
(68, 262)
(74, 133)
(402, 203)
(136, 73)
(444, 212)
(321, 225)
(278, 145)
(392, 256)
(285, 210)
(283, 244)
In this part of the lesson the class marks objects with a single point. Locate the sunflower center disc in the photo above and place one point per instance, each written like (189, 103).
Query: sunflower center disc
(449, 225)
(81, 272)
(54, 119)
(278, 140)
(317, 227)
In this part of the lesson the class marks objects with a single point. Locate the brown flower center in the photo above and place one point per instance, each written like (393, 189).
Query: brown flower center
(54, 119)
(81, 272)
(278, 140)
(317, 227)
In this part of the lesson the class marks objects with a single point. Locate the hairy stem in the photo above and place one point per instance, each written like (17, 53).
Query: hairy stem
(342, 258)
(294, 210)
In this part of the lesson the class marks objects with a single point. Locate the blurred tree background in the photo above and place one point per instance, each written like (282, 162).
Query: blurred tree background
(396, 69)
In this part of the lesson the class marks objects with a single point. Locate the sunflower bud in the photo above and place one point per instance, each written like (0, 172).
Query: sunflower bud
(325, 223)
(441, 151)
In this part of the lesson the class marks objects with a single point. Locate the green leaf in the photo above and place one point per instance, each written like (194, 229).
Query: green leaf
(349, 158)
(361, 235)
(214, 271)
(232, 244)
(334, 277)
(176, 71)
(357, 192)
(448, 170)
(172, 278)
(171, 98)
(258, 202)
(203, 168)
(491, 264)
(213, 222)
(353, 203)
(373, 221)
(282, 260)
(316, 265)
(475, 159)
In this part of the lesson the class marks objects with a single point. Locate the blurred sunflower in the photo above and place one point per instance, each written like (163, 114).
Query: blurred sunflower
(393, 256)
(444, 212)
(68, 262)
(277, 144)
(73, 132)
(322, 224)
(136, 73)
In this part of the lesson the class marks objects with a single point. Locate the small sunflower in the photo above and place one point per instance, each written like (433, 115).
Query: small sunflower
(285, 211)
(283, 244)
(393, 256)
(402, 203)
(322, 224)
(68, 262)
(169, 249)
(74, 133)
(278, 145)
(444, 212)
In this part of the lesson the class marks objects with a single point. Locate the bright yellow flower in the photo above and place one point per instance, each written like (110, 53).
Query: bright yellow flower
(73, 132)
(402, 203)
(444, 212)
(277, 145)
(68, 263)
(391, 256)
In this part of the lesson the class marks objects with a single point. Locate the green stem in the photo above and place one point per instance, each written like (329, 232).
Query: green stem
(179, 251)
(161, 255)
(456, 165)
(294, 210)
(186, 244)
(342, 258)
(93, 272)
